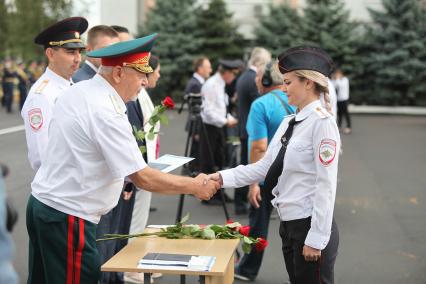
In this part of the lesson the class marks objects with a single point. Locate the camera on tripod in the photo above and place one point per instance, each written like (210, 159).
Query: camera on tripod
(194, 102)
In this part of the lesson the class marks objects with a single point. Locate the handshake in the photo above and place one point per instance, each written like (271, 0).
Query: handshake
(207, 185)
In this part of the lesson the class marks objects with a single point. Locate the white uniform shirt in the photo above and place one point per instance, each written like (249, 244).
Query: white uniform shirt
(37, 113)
(342, 89)
(307, 186)
(215, 100)
(91, 149)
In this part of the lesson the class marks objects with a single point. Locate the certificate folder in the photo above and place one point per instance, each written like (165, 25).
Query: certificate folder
(166, 259)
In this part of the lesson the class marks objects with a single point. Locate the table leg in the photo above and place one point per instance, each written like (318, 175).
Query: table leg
(202, 279)
(227, 278)
(147, 277)
(182, 279)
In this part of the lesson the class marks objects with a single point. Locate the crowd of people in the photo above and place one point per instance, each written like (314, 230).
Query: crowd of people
(80, 116)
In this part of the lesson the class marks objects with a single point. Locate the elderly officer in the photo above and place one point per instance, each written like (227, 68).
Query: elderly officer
(62, 45)
(90, 150)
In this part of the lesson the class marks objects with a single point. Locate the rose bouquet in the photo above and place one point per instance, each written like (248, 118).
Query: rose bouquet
(231, 230)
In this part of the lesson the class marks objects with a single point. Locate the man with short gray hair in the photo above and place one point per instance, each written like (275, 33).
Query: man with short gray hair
(247, 93)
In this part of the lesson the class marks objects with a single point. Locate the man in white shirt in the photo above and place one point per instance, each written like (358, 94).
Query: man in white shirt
(341, 83)
(215, 117)
(62, 45)
(83, 173)
(97, 37)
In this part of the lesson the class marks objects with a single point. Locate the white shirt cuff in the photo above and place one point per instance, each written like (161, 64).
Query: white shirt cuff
(228, 178)
(316, 240)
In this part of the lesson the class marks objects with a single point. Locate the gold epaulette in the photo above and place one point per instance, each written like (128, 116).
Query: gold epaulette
(41, 87)
(322, 112)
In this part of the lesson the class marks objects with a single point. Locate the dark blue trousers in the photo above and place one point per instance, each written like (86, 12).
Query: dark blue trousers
(259, 223)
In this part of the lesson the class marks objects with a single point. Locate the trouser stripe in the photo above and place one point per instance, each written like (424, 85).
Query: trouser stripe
(70, 250)
(79, 252)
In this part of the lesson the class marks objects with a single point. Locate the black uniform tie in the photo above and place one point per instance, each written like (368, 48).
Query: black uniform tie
(276, 168)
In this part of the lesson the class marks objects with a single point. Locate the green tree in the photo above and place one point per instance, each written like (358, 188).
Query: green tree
(279, 29)
(174, 21)
(3, 27)
(220, 38)
(397, 52)
(326, 23)
(28, 19)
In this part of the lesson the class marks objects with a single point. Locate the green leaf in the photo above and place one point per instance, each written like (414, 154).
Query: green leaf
(233, 225)
(142, 149)
(208, 233)
(247, 240)
(151, 135)
(164, 119)
(184, 218)
(246, 248)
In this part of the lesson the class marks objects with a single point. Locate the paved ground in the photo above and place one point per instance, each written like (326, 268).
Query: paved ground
(380, 207)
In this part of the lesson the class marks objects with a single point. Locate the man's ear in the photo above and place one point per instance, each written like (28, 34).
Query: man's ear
(117, 74)
(49, 53)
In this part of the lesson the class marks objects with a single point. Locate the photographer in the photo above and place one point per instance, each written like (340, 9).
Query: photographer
(202, 71)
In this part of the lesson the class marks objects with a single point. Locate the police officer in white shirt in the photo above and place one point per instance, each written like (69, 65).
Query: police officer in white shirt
(90, 150)
(300, 167)
(63, 45)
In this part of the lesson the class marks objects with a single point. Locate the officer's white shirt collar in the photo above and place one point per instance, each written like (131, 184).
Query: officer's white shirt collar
(112, 92)
(199, 78)
(61, 81)
(307, 110)
(91, 65)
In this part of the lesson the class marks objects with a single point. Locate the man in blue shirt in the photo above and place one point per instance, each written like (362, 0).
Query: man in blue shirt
(265, 116)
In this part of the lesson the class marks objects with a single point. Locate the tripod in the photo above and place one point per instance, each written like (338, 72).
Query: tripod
(195, 121)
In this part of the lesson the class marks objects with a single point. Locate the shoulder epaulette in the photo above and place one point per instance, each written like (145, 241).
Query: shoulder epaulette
(41, 87)
(321, 112)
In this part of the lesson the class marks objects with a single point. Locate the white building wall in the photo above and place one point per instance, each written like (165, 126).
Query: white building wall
(123, 13)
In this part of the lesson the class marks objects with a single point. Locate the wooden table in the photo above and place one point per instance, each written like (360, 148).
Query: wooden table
(222, 271)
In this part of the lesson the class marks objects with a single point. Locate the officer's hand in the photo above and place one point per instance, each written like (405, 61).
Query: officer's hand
(311, 254)
(216, 177)
(254, 195)
(232, 123)
(127, 195)
(206, 187)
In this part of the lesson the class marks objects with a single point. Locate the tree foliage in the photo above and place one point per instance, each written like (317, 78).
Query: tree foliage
(174, 21)
(220, 38)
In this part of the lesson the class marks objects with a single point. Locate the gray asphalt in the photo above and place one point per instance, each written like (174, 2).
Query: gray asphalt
(380, 205)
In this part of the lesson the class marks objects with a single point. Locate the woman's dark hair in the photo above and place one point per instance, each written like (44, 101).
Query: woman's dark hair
(154, 61)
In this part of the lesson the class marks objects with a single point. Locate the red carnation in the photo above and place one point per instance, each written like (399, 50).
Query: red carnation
(261, 244)
(230, 221)
(168, 102)
(244, 230)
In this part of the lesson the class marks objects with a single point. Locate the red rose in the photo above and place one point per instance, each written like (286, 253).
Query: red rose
(261, 244)
(230, 221)
(168, 102)
(245, 230)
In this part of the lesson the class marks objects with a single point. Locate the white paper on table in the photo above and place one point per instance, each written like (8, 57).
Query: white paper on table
(168, 162)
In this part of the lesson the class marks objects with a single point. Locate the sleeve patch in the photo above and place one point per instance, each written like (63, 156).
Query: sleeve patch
(327, 151)
(35, 118)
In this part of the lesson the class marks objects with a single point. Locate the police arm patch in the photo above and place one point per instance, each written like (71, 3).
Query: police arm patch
(327, 151)
(35, 117)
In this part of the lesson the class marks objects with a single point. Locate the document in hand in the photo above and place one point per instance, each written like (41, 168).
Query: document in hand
(168, 163)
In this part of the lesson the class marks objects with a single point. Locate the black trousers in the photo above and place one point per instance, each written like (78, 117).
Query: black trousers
(259, 224)
(212, 149)
(240, 195)
(342, 111)
(293, 234)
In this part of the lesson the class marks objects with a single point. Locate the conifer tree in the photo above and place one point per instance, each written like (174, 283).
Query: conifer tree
(279, 29)
(176, 46)
(326, 23)
(397, 52)
(220, 36)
